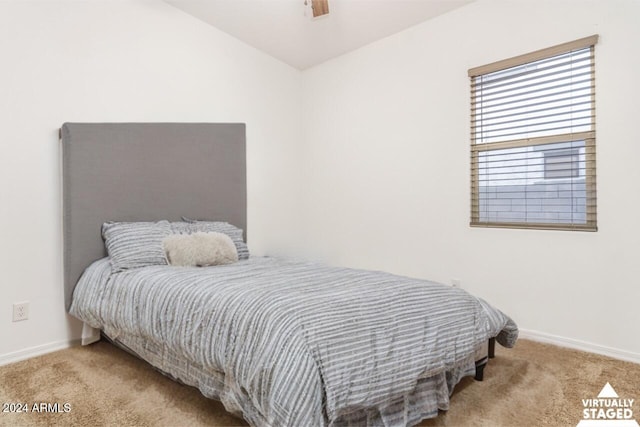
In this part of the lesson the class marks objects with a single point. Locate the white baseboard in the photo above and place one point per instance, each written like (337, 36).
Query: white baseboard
(615, 353)
(38, 350)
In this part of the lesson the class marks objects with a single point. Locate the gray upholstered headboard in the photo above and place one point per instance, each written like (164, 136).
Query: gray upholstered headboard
(146, 172)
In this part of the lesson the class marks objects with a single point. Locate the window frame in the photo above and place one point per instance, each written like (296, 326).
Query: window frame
(587, 136)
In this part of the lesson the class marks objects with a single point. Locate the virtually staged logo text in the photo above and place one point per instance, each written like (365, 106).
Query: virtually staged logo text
(608, 409)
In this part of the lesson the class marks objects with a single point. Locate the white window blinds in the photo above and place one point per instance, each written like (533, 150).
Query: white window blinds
(533, 140)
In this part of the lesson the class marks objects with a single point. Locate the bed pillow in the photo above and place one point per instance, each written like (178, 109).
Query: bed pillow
(135, 244)
(199, 249)
(188, 226)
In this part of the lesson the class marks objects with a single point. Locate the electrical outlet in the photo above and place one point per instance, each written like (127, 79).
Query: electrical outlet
(20, 311)
(455, 283)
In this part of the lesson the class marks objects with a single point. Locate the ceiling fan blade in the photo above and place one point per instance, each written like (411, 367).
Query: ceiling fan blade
(320, 7)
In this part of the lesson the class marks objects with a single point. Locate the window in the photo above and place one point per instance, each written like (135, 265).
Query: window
(533, 140)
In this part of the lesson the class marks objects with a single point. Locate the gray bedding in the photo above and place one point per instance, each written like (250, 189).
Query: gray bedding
(291, 343)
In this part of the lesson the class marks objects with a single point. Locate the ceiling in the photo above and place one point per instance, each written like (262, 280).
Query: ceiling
(286, 30)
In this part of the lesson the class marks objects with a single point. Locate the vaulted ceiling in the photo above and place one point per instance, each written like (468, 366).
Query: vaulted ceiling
(286, 29)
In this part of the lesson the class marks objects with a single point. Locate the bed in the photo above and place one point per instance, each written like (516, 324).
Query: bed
(280, 342)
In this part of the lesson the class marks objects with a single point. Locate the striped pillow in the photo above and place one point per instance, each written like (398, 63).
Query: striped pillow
(135, 244)
(189, 226)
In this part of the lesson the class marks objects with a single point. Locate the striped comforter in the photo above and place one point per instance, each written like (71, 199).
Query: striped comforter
(291, 343)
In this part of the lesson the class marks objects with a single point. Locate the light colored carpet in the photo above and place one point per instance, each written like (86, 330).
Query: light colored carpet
(531, 385)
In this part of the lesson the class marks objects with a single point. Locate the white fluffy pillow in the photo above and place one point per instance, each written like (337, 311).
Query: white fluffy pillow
(200, 249)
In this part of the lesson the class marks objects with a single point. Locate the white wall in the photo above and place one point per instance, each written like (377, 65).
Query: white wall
(115, 61)
(387, 161)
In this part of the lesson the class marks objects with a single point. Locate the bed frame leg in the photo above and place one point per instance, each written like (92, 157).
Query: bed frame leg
(491, 353)
(480, 371)
(492, 348)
